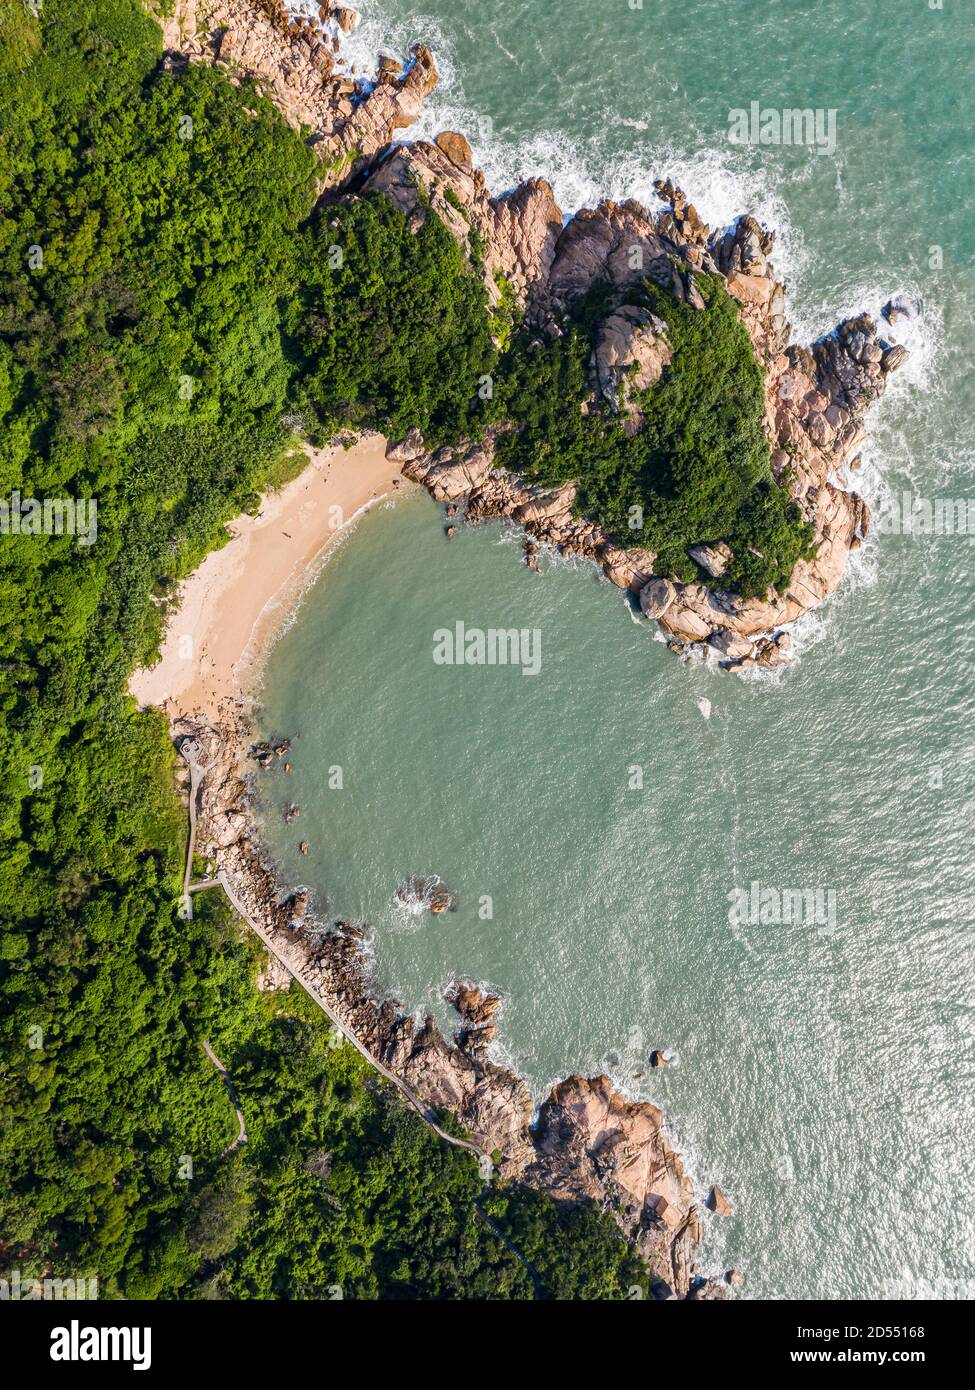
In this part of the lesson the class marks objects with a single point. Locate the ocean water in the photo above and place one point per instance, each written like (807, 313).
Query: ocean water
(593, 827)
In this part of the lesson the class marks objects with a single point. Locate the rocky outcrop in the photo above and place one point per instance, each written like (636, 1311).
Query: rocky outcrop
(817, 398)
(477, 1010)
(590, 1142)
(348, 119)
(630, 355)
(354, 123)
(618, 244)
(517, 233)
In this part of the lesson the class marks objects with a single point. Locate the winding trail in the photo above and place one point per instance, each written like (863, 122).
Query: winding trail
(191, 752)
(241, 1123)
(425, 1111)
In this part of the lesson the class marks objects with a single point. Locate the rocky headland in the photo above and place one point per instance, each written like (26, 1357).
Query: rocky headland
(816, 396)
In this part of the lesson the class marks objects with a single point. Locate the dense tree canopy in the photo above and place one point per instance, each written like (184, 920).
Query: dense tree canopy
(391, 327)
(164, 314)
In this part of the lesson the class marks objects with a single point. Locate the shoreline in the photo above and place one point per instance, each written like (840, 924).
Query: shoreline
(228, 613)
(817, 393)
(232, 608)
(584, 1141)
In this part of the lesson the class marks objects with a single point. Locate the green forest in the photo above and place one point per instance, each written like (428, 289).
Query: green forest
(157, 351)
(175, 316)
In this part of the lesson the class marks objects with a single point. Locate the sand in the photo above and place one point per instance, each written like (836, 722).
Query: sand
(233, 606)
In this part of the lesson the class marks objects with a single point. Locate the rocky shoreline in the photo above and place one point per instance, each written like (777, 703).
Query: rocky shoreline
(816, 400)
(586, 1140)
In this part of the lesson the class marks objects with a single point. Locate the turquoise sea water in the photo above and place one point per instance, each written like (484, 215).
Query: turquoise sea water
(823, 1073)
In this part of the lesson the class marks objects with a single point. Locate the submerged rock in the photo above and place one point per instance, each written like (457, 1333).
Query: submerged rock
(900, 306)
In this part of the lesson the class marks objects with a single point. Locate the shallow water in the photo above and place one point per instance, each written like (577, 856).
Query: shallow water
(823, 1070)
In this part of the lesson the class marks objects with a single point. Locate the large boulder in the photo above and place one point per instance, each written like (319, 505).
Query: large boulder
(893, 358)
(735, 648)
(714, 559)
(629, 568)
(718, 1202)
(457, 150)
(345, 18)
(656, 597)
(405, 449)
(630, 354)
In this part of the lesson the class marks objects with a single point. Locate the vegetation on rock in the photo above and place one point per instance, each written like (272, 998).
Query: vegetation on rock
(698, 469)
(390, 325)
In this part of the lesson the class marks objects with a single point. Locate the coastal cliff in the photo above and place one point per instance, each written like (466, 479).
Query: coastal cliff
(295, 63)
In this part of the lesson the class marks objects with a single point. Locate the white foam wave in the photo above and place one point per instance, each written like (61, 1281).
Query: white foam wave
(413, 898)
(722, 181)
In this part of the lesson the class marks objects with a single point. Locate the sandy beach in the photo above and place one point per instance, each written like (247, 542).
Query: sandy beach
(231, 608)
